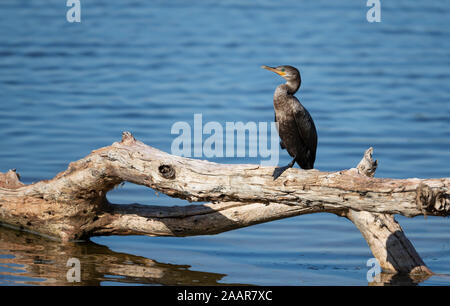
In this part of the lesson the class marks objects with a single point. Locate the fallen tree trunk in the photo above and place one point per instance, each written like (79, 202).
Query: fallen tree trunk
(73, 204)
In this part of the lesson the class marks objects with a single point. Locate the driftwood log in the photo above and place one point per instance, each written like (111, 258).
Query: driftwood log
(73, 205)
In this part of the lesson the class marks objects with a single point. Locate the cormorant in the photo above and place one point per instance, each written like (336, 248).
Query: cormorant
(295, 126)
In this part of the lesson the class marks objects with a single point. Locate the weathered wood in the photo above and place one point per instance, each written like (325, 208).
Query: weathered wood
(73, 204)
(385, 237)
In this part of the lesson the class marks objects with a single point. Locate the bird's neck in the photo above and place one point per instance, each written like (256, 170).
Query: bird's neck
(288, 89)
(292, 86)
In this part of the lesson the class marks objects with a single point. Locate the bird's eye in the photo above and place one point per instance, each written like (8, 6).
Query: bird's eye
(282, 70)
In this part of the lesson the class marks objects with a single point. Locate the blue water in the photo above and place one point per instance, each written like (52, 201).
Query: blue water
(140, 66)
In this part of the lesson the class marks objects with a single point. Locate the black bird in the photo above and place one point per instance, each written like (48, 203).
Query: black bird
(295, 126)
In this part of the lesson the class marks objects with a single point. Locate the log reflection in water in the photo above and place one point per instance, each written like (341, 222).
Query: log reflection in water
(30, 259)
(399, 279)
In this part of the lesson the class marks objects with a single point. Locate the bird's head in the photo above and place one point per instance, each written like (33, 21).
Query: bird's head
(289, 73)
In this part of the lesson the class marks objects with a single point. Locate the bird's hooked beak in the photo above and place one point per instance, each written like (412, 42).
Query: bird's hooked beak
(277, 71)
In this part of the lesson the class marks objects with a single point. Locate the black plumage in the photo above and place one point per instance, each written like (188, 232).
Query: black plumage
(295, 125)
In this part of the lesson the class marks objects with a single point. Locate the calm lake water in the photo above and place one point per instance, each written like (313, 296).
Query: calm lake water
(140, 66)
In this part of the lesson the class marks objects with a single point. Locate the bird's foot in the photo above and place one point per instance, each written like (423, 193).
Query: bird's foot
(279, 171)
